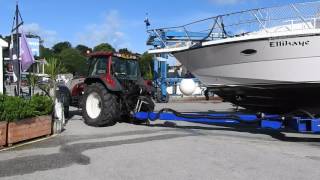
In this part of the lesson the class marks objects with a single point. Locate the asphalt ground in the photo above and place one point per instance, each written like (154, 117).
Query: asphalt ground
(165, 150)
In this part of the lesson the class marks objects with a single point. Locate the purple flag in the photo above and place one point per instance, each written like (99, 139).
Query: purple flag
(27, 58)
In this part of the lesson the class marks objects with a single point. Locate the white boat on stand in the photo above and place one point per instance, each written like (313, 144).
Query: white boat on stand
(264, 59)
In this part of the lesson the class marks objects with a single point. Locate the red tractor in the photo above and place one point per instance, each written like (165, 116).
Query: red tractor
(114, 89)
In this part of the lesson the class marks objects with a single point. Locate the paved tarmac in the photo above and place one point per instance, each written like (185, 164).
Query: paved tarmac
(165, 151)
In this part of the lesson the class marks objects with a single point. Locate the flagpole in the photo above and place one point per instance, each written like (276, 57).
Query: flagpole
(18, 50)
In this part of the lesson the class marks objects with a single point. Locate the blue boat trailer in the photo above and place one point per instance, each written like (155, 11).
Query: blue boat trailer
(261, 121)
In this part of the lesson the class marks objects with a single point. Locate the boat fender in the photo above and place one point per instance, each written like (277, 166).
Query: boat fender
(187, 87)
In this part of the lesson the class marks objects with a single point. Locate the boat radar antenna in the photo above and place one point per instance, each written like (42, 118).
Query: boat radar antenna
(146, 21)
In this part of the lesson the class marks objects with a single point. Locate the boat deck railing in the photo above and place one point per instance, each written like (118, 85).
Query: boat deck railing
(293, 17)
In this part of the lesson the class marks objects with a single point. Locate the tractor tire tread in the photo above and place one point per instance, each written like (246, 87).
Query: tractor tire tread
(110, 107)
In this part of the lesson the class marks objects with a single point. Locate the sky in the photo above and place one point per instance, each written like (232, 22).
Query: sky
(118, 22)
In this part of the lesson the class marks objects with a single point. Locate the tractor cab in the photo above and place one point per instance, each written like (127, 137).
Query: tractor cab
(112, 67)
(122, 66)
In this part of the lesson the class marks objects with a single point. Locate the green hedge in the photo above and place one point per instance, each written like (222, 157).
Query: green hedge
(16, 108)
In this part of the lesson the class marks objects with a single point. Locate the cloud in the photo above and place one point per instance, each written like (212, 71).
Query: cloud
(109, 30)
(49, 37)
(227, 2)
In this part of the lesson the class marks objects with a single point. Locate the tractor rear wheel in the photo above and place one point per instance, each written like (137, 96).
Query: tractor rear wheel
(100, 107)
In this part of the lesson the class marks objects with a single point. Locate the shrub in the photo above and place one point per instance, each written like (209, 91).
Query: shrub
(42, 105)
(2, 97)
(16, 108)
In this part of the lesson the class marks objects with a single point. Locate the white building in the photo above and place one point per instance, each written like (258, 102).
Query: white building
(2, 45)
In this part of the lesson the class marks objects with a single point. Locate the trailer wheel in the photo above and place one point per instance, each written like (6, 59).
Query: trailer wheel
(100, 107)
(160, 98)
(206, 94)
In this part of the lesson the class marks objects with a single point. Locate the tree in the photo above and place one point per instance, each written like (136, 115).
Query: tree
(83, 49)
(73, 61)
(32, 81)
(59, 47)
(146, 65)
(124, 51)
(52, 68)
(104, 47)
(46, 52)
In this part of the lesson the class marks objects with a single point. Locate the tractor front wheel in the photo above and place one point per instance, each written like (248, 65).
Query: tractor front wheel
(100, 107)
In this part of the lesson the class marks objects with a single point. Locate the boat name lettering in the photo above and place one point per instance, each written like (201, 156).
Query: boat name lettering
(289, 43)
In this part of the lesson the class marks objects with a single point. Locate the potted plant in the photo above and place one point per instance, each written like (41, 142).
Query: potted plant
(27, 118)
(53, 67)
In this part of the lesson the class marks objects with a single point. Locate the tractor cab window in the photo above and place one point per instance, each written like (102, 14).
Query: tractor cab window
(98, 66)
(120, 67)
(133, 68)
(125, 69)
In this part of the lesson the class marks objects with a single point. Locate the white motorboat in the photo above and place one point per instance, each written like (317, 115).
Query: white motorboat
(264, 59)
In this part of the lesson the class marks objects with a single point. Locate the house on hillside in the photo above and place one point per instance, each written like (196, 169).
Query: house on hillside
(3, 44)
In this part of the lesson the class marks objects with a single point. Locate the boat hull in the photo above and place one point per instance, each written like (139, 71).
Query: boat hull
(279, 98)
(269, 75)
(265, 61)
